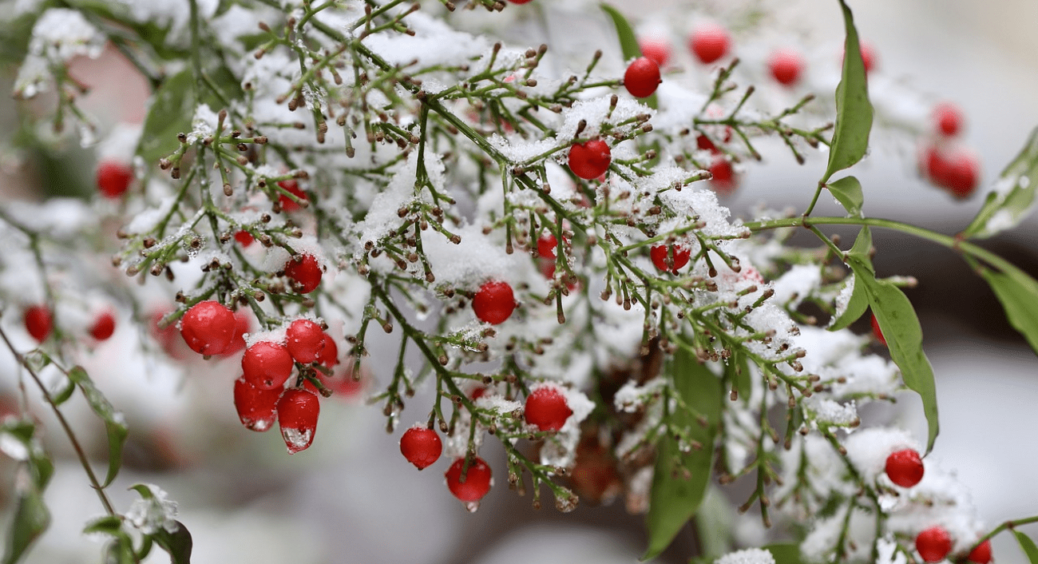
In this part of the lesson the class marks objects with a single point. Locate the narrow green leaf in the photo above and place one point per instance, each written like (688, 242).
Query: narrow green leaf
(120, 551)
(1014, 196)
(115, 424)
(904, 335)
(177, 544)
(856, 307)
(628, 43)
(853, 108)
(862, 248)
(109, 525)
(847, 191)
(785, 553)
(142, 489)
(62, 395)
(1028, 546)
(1020, 300)
(171, 111)
(39, 465)
(29, 521)
(675, 499)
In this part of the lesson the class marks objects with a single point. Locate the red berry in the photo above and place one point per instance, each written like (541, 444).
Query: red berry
(286, 203)
(306, 273)
(670, 258)
(519, 1)
(703, 143)
(328, 355)
(305, 340)
(208, 327)
(656, 50)
(723, 180)
(103, 326)
(421, 446)
(256, 407)
(548, 270)
(242, 325)
(494, 302)
(546, 408)
(38, 322)
(948, 118)
(961, 175)
(709, 42)
(981, 554)
(933, 544)
(244, 238)
(546, 246)
(589, 160)
(476, 483)
(905, 468)
(786, 65)
(266, 365)
(642, 77)
(876, 332)
(113, 178)
(297, 416)
(168, 337)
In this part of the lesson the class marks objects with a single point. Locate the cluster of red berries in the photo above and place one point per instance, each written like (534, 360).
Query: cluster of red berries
(905, 468)
(546, 409)
(260, 395)
(39, 323)
(945, 162)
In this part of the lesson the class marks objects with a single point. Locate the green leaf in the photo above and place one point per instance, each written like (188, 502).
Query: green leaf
(675, 499)
(904, 335)
(61, 396)
(115, 424)
(39, 465)
(847, 191)
(29, 521)
(1013, 197)
(853, 108)
(1027, 545)
(177, 544)
(859, 301)
(171, 111)
(1019, 297)
(120, 551)
(109, 525)
(628, 43)
(862, 248)
(785, 553)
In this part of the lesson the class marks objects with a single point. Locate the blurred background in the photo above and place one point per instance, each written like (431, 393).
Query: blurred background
(352, 498)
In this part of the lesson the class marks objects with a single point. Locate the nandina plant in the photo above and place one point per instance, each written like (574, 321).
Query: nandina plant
(306, 170)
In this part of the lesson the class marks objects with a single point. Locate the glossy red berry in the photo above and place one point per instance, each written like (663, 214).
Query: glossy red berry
(38, 322)
(546, 246)
(905, 468)
(655, 49)
(981, 554)
(723, 179)
(244, 238)
(494, 302)
(421, 446)
(669, 259)
(328, 356)
(305, 340)
(709, 42)
(786, 66)
(266, 365)
(306, 273)
(642, 77)
(948, 119)
(589, 160)
(876, 332)
(242, 325)
(476, 482)
(297, 416)
(933, 544)
(103, 327)
(546, 408)
(257, 408)
(286, 203)
(519, 1)
(113, 178)
(208, 327)
(703, 143)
